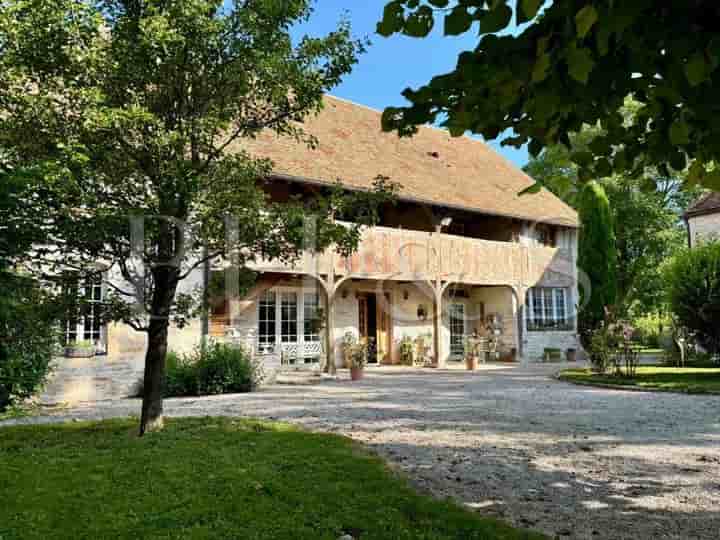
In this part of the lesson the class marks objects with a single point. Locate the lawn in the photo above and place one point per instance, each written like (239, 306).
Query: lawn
(213, 478)
(691, 380)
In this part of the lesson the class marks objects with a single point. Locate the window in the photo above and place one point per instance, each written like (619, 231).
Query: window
(542, 235)
(288, 317)
(547, 309)
(311, 316)
(83, 322)
(457, 330)
(267, 322)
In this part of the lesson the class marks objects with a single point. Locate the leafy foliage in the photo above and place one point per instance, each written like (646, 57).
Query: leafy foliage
(647, 213)
(28, 338)
(573, 63)
(128, 116)
(694, 292)
(597, 257)
(215, 369)
(224, 369)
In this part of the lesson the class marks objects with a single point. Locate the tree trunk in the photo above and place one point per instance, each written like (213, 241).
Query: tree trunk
(166, 280)
(152, 405)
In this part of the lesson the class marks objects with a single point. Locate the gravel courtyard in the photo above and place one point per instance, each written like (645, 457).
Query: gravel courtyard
(509, 441)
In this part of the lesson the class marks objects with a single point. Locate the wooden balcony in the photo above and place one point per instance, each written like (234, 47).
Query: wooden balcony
(404, 255)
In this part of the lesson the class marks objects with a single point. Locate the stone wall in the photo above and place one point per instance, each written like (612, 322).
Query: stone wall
(704, 227)
(537, 342)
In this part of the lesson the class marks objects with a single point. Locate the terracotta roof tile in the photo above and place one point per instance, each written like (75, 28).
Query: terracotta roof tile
(431, 167)
(707, 204)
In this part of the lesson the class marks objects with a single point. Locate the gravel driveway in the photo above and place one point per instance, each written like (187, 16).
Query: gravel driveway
(509, 441)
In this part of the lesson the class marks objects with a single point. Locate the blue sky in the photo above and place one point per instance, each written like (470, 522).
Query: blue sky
(392, 64)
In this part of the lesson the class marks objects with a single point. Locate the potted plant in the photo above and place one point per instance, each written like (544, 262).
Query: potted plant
(80, 349)
(358, 359)
(571, 355)
(472, 352)
(349, 341)
(407, 351)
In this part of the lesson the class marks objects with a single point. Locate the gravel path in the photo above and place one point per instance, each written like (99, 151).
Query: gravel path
(572, 461)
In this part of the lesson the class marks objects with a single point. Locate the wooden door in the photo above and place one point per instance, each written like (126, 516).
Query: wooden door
(363, 316)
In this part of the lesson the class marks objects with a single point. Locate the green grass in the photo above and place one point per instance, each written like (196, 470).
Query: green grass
(213, 478)
(662, 378)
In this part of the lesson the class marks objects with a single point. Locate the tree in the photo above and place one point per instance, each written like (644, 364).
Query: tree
(128, 116)
(694, 292)
(597, 258)
(647, 213)
(570, 63)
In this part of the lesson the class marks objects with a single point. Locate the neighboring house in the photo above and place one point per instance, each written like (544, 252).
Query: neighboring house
(703, 219)
(459, 241)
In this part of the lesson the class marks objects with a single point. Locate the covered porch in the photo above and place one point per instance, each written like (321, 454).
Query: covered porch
(293, 319)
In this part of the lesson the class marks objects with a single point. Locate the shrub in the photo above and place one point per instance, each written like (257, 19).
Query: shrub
(651, 329)
(225, 369)
(28, 338)
(217, 369)
(693, 282)
(180, 376)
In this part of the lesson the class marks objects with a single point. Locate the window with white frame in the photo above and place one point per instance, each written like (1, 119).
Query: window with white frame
(546, 308)
(287, 317)
(311, 314)
(267, 322)
(83, 322)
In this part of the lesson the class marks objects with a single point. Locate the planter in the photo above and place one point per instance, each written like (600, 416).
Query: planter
(552, 355)
(79, 352)
(471, 362)
(571, 355)
(356, 373)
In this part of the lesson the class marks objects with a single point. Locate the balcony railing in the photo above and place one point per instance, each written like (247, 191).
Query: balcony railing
(404, 255)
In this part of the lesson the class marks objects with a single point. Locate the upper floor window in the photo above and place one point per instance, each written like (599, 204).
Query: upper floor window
(546, 308)
(543, 235)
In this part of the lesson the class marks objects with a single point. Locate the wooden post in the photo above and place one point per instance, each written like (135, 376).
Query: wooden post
(519, 293)
(437, 318)
(330, 330)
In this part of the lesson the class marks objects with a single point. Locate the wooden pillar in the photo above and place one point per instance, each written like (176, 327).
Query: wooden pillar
(437, 318)
(330, 331)
(519, 293)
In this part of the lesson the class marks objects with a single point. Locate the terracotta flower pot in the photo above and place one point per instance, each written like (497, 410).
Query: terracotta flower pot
(356, 373)
(471, 362)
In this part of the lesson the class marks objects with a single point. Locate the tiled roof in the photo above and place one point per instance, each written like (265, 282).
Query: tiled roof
(707, 204)
(431, 167)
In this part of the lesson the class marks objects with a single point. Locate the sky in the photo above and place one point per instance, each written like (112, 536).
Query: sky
(392, 64)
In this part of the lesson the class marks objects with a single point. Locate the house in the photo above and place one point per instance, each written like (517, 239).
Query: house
(459, 252)
(459, 242)
(703, 219)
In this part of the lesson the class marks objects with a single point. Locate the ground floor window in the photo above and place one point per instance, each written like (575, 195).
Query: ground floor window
(457, 330)
(289, 318)
(83, 320)
(546, 308)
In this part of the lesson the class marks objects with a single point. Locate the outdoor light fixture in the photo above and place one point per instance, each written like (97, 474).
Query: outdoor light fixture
(422, 312)
(344, 294)
(406, 295)
(446, 221)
